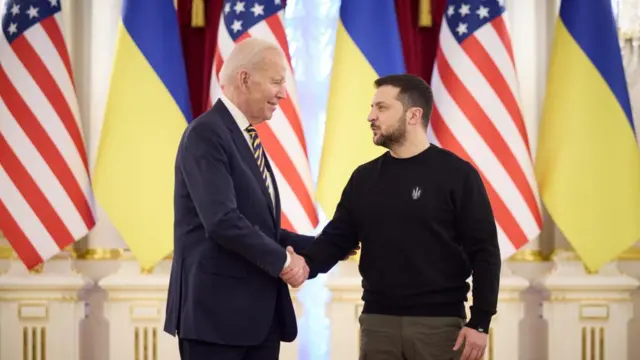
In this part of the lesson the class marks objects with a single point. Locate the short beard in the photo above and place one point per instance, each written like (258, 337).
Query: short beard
(395, 137)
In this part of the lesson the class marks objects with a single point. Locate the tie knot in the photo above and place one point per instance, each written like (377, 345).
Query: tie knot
(251, 130)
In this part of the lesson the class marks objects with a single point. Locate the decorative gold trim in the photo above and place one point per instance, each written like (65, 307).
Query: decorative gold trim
(632, 254)
(43, 343)
(583, 343)
(145, 346)
(565, 298)
(32, 304)
(155, 343)
(99, 254)
(6, 252)
(601, 340)
(529, 255)
(34, 343)
(136, 343)
(25, 343)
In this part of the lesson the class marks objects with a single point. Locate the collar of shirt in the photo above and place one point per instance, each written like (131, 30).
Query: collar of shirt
(238, 116)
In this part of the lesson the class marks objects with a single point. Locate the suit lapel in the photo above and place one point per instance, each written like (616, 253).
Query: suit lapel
(246, 154)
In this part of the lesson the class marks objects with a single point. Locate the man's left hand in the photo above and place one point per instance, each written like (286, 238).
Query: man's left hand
(353, 252)
(474, 342)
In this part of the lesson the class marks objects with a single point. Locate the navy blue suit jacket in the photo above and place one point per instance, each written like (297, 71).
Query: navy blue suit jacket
(229, 248)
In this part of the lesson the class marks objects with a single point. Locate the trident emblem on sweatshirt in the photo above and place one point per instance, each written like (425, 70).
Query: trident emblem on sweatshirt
(415, 194)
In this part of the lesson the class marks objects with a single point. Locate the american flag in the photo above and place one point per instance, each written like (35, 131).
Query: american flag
(282, 136)
(46, 201)
(477, 114)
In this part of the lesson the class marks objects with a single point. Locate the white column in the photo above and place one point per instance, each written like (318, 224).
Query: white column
(135, 309)
(40, 313)
(588, 314)
(343, 311)
(505, 326)
(102, 36)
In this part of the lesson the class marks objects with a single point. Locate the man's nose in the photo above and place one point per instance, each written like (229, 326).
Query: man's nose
(282, 93)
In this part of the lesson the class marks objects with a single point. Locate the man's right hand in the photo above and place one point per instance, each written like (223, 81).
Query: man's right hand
(297, 272)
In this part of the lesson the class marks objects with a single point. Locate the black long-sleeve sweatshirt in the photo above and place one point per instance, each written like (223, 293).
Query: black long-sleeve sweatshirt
(425, 226)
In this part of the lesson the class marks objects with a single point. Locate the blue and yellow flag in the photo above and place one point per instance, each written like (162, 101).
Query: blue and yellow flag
(147, 111)
(367, 46)
(588, 161)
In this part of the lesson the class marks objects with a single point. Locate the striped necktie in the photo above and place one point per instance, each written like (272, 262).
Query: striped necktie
(258, 153)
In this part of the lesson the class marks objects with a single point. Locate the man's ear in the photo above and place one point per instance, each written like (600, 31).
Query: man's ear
(244, 79)
(415, 115)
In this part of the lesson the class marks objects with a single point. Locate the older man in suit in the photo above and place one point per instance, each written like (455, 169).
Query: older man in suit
(228, 295)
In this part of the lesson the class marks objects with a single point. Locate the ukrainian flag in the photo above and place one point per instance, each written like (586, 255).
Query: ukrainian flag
(588, 161)
(147, 111)
(367, 46)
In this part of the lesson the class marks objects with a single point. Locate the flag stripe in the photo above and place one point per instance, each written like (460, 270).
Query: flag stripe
(38, 72)
(52, 27)
(471, 143)
(476, 91)
(34, 195)
(500, 56)
(46, 49)
(24, 216)
(47, 149)
(38, 107)
(41, 173)
(506, 247)
(504, 217)
(46, 196)
(478, 116)
(301, 220)
(263, 31)
(286, 223)
(485, 64)
(500, 28)
(19, 241)
(275, 24)
(282, 160)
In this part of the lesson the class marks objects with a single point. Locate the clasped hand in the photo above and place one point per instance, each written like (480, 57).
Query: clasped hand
(297, 272)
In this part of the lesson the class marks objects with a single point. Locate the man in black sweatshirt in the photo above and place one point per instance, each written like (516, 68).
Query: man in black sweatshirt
(424, 223)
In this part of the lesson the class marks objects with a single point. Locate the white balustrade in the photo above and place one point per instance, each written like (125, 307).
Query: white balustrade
(40, 312)
(135, 309)
(588, 314)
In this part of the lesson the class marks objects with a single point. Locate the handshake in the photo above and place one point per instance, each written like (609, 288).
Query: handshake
(297, 272)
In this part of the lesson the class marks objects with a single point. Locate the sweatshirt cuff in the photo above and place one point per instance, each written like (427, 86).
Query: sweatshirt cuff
(480, 320)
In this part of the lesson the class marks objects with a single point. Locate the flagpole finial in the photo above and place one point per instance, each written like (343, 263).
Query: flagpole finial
(424, 13)
(197, 13)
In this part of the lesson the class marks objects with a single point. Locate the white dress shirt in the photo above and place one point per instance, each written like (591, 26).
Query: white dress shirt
(243, 123)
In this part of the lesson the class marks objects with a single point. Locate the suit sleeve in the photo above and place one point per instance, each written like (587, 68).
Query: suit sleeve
(338, 237)
(478, 235)
(206, 170)
(297, 241)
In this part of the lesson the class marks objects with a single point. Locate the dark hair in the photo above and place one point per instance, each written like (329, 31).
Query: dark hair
(414, 92)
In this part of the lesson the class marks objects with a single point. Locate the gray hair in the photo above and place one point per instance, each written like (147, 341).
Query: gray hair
(246, 55)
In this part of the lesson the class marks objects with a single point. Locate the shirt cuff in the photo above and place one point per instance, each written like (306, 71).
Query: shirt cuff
(480, 320)
(286, 263)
